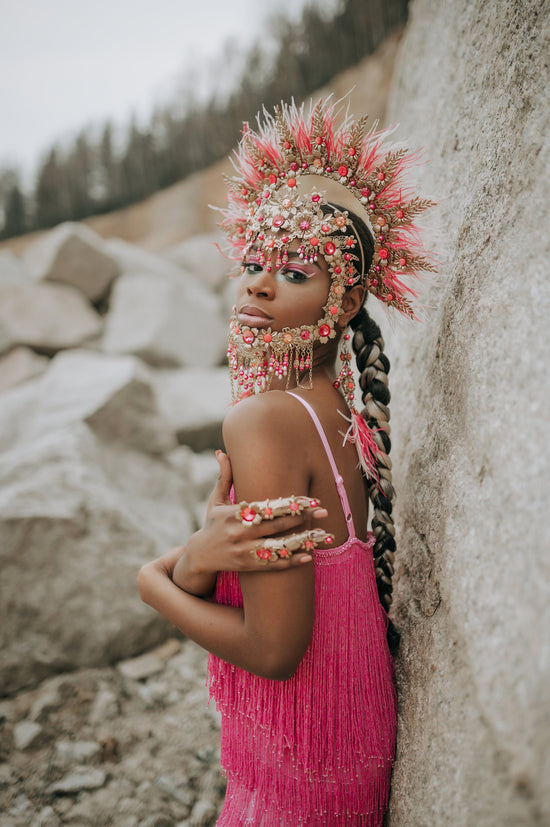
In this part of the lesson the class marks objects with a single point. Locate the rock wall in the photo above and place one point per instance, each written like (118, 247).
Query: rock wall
(471, 424)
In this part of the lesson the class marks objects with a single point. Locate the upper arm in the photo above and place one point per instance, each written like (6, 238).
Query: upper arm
(264, 439)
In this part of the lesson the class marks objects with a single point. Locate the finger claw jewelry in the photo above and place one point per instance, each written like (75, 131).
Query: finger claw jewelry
(249, 514)
(275, 548)
(253, 513)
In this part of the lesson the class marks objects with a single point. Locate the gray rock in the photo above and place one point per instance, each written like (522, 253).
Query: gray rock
(74, 254)
(168, 650)
(26, 734)
(46, 317)
(95, 513)
(62, 807)
(112, 396)
(157, 820)
(144, 790)
(46, 818)
(194, 402)
(68, 753)
(210, 781)
(49, 699)
(201, 470)
(204, 812)
(471, 425)
(6, 711)
(166, 321)
(21, 806)
(204, 473)
(201, 256)
(159, 690)
(105, 707)
(75, 782)
(175, 789)
(17, 406)
(152, 694)
(6, 743)
(19, 365)
(141, 667)
(8, 775)
(134, 259)
(12, 269)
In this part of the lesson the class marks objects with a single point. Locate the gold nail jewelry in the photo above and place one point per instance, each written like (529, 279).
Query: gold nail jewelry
(275, 548)
(253, 513)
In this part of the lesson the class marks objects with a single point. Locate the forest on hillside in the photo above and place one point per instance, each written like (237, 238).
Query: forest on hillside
(93, 175)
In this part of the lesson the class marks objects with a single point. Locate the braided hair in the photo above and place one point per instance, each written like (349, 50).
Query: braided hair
(373, 366)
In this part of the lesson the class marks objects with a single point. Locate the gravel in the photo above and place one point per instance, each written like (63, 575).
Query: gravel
(134, 745)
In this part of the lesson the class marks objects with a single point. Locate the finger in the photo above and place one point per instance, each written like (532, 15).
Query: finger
(220, 495)
(285, 546)
(290, 523)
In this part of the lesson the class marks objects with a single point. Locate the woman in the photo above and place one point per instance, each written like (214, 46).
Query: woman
(300, 666)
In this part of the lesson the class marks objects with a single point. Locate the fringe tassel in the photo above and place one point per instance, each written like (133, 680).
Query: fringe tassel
(316, 749)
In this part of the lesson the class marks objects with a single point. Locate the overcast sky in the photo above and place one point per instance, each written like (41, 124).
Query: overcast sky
(68, 63)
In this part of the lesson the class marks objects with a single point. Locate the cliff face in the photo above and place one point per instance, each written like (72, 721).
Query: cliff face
(471, 424)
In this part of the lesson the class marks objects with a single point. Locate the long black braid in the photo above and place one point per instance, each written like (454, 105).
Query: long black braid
(373, 366)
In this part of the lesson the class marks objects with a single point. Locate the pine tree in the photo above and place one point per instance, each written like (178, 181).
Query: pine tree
(15, 221)
(51, 197)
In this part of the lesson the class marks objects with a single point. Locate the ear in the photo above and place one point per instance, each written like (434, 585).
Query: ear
(352, 302)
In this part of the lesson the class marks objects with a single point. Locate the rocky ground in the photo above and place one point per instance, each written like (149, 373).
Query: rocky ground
(134, 745)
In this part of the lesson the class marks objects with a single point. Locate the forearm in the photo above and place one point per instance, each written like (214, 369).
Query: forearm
(221, 630)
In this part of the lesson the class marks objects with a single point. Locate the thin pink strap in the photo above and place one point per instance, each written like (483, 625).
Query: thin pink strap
(338, 479)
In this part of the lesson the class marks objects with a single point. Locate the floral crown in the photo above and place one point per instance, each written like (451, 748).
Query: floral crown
(296, 166)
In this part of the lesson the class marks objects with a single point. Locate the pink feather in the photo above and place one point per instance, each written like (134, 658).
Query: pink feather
(360, 435)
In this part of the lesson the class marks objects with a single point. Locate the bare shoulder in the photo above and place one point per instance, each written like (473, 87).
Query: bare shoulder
(264, 437)
(274, 415)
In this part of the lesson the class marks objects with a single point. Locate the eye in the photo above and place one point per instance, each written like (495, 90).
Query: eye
(252, 267)
(295, 276)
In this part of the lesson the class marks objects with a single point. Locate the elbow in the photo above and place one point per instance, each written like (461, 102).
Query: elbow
(142, 582)
(279, 666)
(277, 655)
(281, 674)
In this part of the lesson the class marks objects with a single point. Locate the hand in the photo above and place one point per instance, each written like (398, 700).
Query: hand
(166, 564)
(225, 544)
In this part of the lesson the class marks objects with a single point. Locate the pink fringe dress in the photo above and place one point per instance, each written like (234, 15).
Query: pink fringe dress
(317, 749)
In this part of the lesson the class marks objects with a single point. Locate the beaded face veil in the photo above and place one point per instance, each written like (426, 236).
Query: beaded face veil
(289, 175)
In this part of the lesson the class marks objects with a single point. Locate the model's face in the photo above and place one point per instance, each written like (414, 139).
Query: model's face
(289, 296)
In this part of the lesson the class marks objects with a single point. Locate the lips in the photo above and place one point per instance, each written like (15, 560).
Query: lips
(252, 316)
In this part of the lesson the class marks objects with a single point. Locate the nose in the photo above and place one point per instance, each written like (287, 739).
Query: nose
(261, 284)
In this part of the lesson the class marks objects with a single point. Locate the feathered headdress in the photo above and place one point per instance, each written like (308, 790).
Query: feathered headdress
(301, 160)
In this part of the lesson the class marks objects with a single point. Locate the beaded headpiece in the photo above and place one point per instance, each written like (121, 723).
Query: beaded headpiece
(303, 177)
